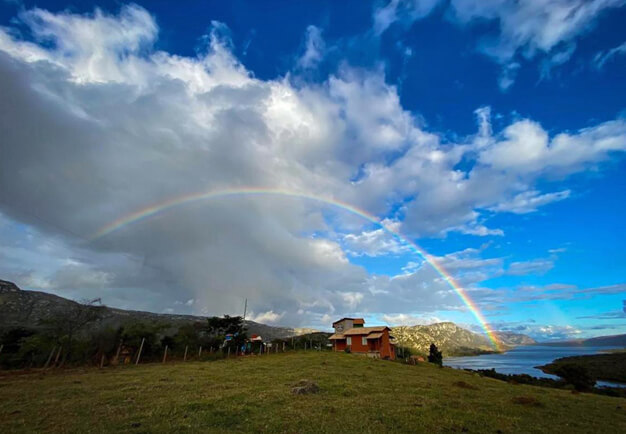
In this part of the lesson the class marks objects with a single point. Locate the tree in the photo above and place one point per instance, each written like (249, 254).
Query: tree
(217, 328)
(577, 375)
(67, 326)
(150, 332)
(435, 355)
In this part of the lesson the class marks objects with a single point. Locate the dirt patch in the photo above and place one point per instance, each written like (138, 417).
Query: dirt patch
(464, 385)
(529, 401)
(305, 387)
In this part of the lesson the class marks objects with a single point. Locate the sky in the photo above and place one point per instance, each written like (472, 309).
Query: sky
(490, 133)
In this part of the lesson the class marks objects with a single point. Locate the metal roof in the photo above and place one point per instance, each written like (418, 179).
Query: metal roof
(364, 330)
(374, 336)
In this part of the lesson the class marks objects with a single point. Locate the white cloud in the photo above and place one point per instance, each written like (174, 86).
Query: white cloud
(99, 124)
(537, 266)
(377, 242)
(530, 201)
(403, 319)
(526, 148)
(314, 48)
(269, 317)
(405, 10)
(602, 57)
(507, 75)
(530, 27)
(525, 28)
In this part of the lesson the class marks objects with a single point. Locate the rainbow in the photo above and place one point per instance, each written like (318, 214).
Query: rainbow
(216, 194)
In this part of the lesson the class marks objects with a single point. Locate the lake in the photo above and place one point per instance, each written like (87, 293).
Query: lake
(522, 360)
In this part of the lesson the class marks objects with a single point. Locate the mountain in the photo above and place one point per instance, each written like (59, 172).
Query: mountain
(514, 339)
(449, 338)
(600, 341)
(606, 341)
(20, 308)
(27, 309)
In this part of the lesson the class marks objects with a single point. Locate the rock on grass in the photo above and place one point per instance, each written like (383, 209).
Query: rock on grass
(304, 387)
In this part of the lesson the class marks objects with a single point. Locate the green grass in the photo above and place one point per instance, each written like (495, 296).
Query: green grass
(254, 394)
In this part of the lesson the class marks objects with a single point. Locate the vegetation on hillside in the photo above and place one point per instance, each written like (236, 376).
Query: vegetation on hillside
(608, 367)
(256, 393)
(80, 339)
(451, 339)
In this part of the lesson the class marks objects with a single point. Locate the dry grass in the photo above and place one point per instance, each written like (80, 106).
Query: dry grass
(356, 394)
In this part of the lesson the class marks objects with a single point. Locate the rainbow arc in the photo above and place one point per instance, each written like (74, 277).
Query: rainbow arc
(217, 194)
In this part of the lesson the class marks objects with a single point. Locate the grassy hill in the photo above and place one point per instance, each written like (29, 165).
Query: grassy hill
(356, 394)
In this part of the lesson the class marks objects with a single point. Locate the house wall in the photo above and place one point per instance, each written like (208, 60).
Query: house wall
(343, 326)
(382, 345)
(357, 345)
(386, 350)
(340, 345)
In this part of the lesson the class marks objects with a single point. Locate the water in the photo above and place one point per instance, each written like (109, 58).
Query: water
(522, 360)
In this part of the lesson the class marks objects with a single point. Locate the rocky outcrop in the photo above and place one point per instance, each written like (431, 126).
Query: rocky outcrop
(6, 286)
(449, 338)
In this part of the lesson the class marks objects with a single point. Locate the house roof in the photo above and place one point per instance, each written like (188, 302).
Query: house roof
(365, 330)
(354, 320)
(371, 332)
(375, 336)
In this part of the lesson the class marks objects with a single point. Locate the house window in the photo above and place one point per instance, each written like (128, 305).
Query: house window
(364, 341)
(349, 340)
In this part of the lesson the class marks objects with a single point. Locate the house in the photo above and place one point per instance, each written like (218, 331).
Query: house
(373, 341)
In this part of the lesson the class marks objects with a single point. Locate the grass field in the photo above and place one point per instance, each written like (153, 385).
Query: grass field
(254, 394)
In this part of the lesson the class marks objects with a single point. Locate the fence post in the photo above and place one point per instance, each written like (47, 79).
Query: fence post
(56, 359)
(228, 352)
(165, 354)
(117, 354)
(140, 350)
(50, 357)
(102, 360)
(185, 356)
(200, 351)
(283, 347)
(1, 347)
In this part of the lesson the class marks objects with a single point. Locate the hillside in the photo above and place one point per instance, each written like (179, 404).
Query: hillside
(20, 308)
(254, 394)
(600, 341)
(609, 366)
(449, 338)
(29, 308)
(514, 339)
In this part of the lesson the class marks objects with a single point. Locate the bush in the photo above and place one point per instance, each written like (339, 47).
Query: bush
(577, 375)
(347, 350)
(435, 355)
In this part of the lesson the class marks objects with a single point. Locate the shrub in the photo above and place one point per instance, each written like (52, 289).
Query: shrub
(435, 355)
(577, 375)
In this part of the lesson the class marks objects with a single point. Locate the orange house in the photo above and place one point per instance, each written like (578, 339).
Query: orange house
(372, 341)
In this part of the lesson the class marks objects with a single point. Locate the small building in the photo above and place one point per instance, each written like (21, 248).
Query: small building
(372, 341)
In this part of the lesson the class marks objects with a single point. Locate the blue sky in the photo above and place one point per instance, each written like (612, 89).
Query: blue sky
(492, 133)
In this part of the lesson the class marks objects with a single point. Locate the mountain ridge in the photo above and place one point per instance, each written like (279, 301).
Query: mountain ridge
(20, 308)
